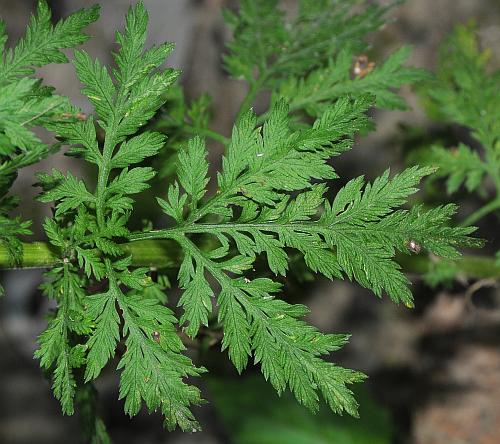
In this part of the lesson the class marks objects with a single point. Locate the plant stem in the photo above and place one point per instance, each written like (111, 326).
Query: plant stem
(481, 212)
(166, 253)
(103, 174)
(469, 266)
(35, 255)
(251, 94)
(206, 132)
(159, 254)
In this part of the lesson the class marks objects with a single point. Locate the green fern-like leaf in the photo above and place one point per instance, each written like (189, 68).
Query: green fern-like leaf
(25, 104)
(266, 204)
(270, 203)
(464, 92)
(153, 372)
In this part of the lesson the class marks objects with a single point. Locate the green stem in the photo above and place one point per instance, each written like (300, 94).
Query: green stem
(297, 105)
(469, 266)
(41, 113)
(481, 212)
(92, 425)
(206, 132)
(159, 254)
(166, 253)
(251, 94)
(35, 255)
(103, 176)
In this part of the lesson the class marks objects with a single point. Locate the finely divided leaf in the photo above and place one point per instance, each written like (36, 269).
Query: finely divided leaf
(193, 170)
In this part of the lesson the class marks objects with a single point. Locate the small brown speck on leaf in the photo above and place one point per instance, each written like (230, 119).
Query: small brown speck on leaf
(362, 66)
(414, 246)
(156, 336)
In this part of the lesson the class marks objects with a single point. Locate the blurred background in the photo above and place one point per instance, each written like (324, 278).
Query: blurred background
(434, 371)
